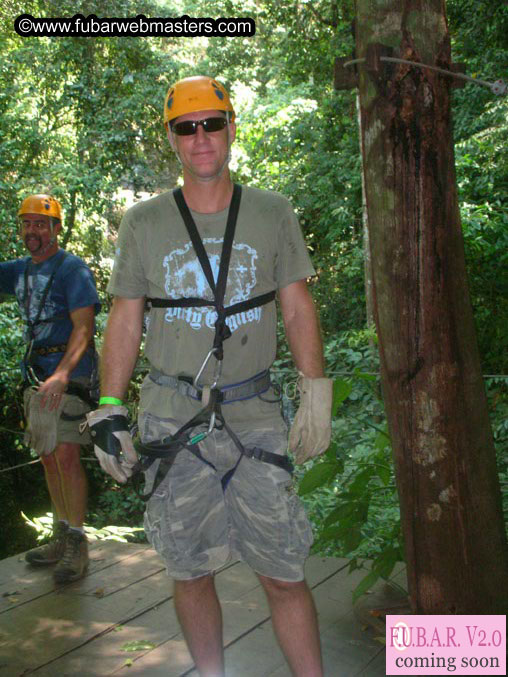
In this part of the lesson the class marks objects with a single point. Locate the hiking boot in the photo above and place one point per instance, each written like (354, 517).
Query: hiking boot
(75, 558)
(51, 552)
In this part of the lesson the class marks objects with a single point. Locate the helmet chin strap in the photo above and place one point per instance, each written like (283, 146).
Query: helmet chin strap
(47, 246)
(206, 179)
(49, 243)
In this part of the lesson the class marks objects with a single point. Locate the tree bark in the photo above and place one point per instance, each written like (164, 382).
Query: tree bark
(455, 542)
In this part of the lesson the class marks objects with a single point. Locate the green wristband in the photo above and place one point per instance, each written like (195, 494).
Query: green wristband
(110, 400)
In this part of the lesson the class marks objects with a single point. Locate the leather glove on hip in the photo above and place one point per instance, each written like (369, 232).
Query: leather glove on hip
(113, 445)
(312, 428)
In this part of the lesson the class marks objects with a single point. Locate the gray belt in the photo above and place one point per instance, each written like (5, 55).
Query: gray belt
(244, 390)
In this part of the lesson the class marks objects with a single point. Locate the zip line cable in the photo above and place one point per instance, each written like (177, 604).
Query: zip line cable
(498, 87)
(38, 460)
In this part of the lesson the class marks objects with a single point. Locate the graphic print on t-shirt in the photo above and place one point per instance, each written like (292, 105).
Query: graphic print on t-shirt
(36, 286)
(184, 277)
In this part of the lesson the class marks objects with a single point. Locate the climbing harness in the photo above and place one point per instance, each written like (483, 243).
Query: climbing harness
(211, 395)
(31, 324)
(87, 394)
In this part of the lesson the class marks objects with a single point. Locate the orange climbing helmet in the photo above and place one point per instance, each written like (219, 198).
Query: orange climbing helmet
(194, 94)
(41, 204)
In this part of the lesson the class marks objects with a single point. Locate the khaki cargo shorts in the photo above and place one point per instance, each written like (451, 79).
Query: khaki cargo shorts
(68, 430)
(197, 527)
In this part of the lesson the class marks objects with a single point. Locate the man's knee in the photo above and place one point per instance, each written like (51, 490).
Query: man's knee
(193, 585)
(67, 455)
(49, 463)
(274, 586)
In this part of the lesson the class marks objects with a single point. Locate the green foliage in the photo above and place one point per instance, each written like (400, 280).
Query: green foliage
(350, 492)
(44, 529)
(138, 645)
(82, 118)
(478, 29)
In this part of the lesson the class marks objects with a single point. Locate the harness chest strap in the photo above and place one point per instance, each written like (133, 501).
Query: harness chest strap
(169, 447)
(73, 388)
(222, 331)
(27, 297)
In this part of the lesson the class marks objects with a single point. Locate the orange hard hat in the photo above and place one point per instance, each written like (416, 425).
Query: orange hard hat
(41, 204)
(194, 94)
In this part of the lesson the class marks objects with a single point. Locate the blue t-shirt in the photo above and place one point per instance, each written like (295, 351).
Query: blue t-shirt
(73, 287)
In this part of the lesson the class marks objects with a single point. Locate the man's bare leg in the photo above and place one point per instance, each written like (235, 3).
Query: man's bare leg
(54, 484)
(294, 620)
(73, 482)
(199, 612)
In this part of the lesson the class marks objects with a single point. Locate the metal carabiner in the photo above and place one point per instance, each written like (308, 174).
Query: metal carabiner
(34, 381)
(211, 425)
(32, 377)
(217, 372)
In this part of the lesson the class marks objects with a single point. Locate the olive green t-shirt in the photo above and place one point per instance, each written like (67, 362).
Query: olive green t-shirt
(155, 258)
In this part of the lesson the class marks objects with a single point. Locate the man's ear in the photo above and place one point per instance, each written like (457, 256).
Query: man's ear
(232, 131)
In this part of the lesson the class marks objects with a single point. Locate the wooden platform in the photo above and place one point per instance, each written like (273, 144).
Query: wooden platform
(83, 628)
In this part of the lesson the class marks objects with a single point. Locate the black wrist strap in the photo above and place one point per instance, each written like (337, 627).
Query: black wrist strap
(103, 437)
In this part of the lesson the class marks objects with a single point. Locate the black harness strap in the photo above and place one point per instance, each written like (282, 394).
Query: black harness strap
(72, 388)
(27, 297)
(222, 331)
(169, 447)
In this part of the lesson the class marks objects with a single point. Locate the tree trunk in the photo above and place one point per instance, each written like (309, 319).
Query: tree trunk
(70, 219)
(434, 393)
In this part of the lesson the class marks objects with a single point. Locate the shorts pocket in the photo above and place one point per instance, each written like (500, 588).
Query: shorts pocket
(74, 408)
(181, 518)
(164, 527)
(299, 534)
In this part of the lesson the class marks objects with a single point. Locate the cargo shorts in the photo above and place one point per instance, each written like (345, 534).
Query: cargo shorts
(196, 527)
(68, 429)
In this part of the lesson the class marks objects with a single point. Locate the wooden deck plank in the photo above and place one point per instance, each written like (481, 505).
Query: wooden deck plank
(21, 583)
(241, 614)
(157, 625)
(104, 654)
(70, 630)
(376, 668)
(37, 632)
(257, 653)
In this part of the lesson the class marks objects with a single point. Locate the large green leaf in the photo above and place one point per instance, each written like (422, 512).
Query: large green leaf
(365, 584)
(341, 390)
(318, 476)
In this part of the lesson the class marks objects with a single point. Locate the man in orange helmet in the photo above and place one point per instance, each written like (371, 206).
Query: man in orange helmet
(58, 301)
(210, 259)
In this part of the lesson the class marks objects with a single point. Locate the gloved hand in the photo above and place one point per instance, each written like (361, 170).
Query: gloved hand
(113, 445)
(312, 428)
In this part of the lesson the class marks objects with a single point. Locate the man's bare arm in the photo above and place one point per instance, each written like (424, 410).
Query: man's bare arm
(121, 345)
(302, 328)
(79, 340)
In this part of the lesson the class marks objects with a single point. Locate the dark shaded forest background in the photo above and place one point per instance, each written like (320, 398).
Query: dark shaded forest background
(82, 118)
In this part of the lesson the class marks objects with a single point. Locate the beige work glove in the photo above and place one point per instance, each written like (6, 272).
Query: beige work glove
(312, 428)
(109, 429)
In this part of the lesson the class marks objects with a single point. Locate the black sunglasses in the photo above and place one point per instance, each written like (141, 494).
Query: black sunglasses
(188, 127)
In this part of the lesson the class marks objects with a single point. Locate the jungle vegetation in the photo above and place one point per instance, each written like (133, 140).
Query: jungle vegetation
(82, 118)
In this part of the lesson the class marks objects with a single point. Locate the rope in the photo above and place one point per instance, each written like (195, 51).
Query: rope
(21, 465)
(38, 460)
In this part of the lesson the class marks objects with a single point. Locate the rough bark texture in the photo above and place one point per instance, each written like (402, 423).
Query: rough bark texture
(434, 393)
